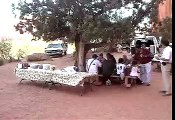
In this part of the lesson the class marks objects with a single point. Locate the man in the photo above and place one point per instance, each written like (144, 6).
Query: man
(145, 62)
(93, 64)
(166, 60)
(136, 56)
(108, 67)
(119, 48)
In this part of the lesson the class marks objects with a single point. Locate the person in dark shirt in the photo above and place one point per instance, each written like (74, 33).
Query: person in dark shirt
(108, 67)
(113, 59)
(145, 62)
(136, 56)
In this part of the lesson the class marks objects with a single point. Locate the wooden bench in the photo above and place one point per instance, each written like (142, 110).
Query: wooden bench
(113, 77)
(118, 78)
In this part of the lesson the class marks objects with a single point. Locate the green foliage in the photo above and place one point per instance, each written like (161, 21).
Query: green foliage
(5, 48)
(90, 19)
(21, 54)
(165, 29)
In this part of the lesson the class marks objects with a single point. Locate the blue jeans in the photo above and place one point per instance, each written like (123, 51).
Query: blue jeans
(145, 72)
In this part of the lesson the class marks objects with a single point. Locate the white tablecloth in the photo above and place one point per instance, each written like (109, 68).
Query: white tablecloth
(71, 79)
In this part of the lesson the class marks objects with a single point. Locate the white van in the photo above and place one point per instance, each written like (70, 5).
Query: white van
(151, 43)
(56, 49)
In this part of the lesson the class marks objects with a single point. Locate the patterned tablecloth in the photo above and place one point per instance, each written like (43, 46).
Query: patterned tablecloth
(71, 79)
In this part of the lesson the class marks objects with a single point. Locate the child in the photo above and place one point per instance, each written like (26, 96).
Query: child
(120, 68)
(134, 74)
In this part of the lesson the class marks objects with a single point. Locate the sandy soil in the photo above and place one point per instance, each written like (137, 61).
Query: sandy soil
(29, 101)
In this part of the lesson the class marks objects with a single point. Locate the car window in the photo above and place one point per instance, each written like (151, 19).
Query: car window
(54, 46)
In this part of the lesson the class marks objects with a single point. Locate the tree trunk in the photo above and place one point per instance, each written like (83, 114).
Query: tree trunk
(81, 51)
(111, 46)
(81, 56)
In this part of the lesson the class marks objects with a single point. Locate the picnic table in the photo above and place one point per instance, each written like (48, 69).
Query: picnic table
(81, 79)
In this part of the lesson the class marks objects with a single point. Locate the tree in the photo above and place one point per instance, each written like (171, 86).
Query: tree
(85, 22)
(164, 28)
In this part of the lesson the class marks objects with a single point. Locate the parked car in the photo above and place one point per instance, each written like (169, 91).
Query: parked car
(56, 49)
(125, 46)
(151, 43)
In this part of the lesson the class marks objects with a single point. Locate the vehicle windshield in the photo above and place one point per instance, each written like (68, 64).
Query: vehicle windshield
(54, 46)
(147, 41)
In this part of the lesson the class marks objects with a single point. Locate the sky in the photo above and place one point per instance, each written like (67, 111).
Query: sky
(7, 21)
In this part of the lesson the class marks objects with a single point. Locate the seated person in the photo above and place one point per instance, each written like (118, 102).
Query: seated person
(93, 64)
(134, 74)
(108, 67)
(101, 59)
(126, 61)
(120, 68)
(113, 59)
(92, 67)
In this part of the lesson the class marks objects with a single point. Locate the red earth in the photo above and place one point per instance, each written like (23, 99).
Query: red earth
(29, 101)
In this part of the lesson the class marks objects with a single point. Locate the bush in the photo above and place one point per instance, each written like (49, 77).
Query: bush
(20, 54)
(12, 59)
(5, 48)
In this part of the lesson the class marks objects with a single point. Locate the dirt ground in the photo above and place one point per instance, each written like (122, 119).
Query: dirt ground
(29, 101)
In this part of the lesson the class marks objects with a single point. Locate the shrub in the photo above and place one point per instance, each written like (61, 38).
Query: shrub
(20, 54)
(12, 59)
(5, 48)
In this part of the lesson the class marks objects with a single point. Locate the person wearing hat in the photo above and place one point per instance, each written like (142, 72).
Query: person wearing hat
(166, 61)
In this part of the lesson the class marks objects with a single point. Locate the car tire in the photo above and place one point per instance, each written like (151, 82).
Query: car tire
(65, 53)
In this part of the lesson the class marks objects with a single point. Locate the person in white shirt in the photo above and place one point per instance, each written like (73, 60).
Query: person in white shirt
(93, 64)
(120, 68)
(119, 48)
(166, 60)
(134, 74)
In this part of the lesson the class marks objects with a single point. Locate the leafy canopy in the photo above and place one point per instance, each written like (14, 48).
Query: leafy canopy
(91, 19)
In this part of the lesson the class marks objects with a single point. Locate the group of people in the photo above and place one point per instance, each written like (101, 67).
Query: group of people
(138, 67)
(109, 66)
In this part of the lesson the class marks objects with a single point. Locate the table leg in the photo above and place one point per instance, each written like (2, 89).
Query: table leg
(21, 80)
(82, 90)
(52, 84)
(45, 83)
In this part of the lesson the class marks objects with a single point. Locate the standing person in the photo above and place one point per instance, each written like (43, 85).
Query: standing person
(108, 67)
(136, 56)
(166, 60)
(119, 48)
(145, 62)
(93, 64)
